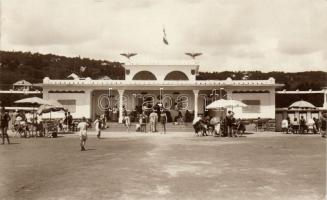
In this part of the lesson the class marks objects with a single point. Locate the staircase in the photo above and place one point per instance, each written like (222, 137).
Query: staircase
(171, 127)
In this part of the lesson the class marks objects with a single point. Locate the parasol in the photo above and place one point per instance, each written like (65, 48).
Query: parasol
(53, 106)
(301, 104)
(223, 103)
(33, 100)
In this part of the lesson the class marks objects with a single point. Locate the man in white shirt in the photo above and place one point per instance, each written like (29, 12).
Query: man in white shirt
(82, 126)
(285, 126)
(153, 121)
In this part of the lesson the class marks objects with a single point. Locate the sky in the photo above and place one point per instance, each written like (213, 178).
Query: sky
(239, 35)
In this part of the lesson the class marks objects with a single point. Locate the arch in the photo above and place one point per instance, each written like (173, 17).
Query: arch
(144, 75)
(176, 75)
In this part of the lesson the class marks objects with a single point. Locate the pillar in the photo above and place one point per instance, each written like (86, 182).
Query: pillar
(297, 115)
(121, 92)
(88, 102)
(309, 116)
(196, 96)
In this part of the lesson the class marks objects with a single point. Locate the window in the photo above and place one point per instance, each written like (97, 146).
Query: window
(176, 75)
(69, 104)
(253, 106)
(144, 75)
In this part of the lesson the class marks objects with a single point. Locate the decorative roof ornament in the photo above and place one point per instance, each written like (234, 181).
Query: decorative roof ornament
(128, 56)
(193, 55)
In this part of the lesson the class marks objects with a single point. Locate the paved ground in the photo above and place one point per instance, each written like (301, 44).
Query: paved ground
(173, 166)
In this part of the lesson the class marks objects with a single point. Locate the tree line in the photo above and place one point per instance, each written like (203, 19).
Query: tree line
(33, 67)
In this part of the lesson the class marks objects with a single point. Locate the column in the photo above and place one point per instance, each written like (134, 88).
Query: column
(272, 102)
(297, 115)
(196, 96)
(121, 92)
(88, 104)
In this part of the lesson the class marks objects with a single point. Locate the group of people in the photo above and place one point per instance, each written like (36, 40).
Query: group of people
(221, 126)
(27, 123)
(66, 124)
(153, 119)
(312, 125)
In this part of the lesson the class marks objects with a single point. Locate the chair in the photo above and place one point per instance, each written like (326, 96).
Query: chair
(143, 127)
(260, 125)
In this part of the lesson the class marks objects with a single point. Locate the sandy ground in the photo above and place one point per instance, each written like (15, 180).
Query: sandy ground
(172, 166)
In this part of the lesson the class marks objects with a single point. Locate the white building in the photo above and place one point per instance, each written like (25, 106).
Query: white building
(171, 85)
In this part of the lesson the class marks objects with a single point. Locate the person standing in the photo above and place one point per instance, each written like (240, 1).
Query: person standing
(285, 126)
(295, 126)
(82, 126)
(98, 124)
(4, 121)
(127, 120)
(14, 115)
(229, 120)
(163, 120)
(153, 119)
(323, 128)
(302, 125)
(69, 121)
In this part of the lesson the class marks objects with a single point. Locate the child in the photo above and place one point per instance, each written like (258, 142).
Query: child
(97, 124)
(82, 126)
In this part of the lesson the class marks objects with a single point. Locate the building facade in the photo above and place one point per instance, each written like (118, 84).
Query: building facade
(174, 86)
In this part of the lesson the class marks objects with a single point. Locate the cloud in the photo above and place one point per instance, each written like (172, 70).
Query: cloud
(34, 23)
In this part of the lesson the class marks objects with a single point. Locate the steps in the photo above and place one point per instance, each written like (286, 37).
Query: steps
(116, 127)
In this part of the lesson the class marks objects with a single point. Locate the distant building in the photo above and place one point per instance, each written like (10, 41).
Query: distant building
(22, 85)
(310, 104)
(173, 86)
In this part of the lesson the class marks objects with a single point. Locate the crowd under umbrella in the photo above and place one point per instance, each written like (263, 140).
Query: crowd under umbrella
(34, 101)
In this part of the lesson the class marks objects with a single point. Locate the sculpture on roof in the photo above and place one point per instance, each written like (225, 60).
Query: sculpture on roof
(193, 55)
(128, 55)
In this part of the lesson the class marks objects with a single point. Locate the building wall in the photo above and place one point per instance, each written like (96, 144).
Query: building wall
(160, 71)
(132, 98)
(83, 103)
(267, 105)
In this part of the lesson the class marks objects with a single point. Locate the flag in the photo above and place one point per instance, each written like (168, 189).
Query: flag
(165, 37)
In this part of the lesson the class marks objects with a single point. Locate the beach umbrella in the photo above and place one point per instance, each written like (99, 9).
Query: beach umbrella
(33, 100)
(223, 103)
(302, 104)
(53, 106)
(50, 108)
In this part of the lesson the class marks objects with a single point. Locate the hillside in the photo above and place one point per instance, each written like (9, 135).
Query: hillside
(314, 80)
(33, 67)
